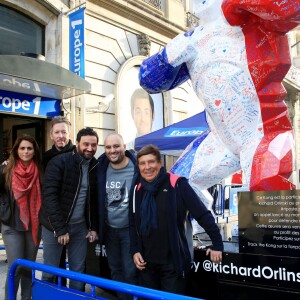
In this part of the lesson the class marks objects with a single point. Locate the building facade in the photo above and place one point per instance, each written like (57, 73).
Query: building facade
(118, 36)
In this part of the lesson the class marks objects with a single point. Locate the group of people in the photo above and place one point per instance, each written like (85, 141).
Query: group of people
(127, 202)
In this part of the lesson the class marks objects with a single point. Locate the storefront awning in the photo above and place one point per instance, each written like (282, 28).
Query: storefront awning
(26, 75)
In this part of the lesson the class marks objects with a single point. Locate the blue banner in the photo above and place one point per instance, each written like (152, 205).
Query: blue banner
(28, 104)
(176, 137)
(76, 32)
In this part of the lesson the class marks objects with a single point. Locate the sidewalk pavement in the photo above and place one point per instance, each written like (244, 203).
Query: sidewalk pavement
(39, 259)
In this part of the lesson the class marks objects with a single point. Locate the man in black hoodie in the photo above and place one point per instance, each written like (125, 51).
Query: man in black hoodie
(60, 135)
(116, 172)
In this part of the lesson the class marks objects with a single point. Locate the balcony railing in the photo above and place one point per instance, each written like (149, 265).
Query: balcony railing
(293, 77)
(155, 3)
(191, 20)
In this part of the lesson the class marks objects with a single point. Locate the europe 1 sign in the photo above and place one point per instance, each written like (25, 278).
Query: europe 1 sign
(29, 105)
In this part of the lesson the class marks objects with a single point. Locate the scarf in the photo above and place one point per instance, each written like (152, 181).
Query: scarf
(27, 193)
(148, 206)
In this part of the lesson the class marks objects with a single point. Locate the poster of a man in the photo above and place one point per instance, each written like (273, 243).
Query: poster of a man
(142, 111)
(139, 113)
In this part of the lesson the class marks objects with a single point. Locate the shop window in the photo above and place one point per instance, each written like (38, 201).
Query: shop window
(19, 33)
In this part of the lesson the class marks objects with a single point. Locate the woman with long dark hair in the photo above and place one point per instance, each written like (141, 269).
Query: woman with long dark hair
(21, 188)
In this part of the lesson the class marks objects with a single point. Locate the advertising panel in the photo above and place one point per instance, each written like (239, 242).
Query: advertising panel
(76, 40)
(269, 222)
(28, 105)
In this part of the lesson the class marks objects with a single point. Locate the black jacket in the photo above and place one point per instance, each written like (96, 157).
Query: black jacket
(49, 154)
(6, 196)
(60, 192)
(182, 200)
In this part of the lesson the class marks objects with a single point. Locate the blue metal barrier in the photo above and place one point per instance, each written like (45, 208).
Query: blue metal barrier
(2, 247)
(46, 290)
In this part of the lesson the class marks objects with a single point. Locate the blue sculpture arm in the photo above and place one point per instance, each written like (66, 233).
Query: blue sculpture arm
(157, 75)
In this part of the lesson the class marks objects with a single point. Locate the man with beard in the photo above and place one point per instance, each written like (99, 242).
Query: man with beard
(116, 172)
(69, 210)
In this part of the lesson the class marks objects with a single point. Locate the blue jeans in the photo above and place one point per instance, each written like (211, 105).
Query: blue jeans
(120, 261)
(76, 252)
(19, 244)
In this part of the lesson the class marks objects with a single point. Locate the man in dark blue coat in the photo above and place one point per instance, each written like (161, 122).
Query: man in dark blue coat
(159, 216)
(116, 171)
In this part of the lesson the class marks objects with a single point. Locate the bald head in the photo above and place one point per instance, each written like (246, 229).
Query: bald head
(114, 136)
(115, 150)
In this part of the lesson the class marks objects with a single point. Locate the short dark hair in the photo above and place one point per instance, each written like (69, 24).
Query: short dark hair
(149, 149)
(86, 131)
(141, 93)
